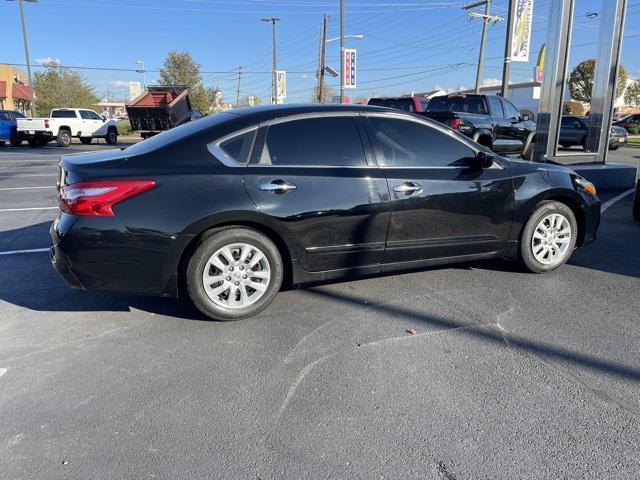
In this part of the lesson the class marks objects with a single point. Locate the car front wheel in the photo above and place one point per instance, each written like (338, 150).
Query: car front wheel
(64, 138)
(112, 137)
(549, 237)
(234, 273)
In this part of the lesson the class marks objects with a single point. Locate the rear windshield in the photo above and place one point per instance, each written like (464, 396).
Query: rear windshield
(458, 104)
(405, 104)
(63, 114)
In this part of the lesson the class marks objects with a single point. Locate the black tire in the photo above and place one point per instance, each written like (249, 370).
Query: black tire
(200, 260)
(112, 136)
(636, 204)
(16, 142)
(2, 142)
(64, 138)
(583, 143)
(543, 210)
(86, 140)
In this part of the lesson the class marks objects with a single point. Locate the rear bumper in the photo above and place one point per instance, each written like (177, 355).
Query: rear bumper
(98, 253)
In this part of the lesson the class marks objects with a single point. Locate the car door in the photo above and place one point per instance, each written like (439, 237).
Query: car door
(99, 124)
(312, 177)
(91, 122)
(440, 207)
(512, 130)
(501, 142)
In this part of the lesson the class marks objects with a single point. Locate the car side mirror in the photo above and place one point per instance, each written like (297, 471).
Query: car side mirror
(482, 160)
(525, 117)
(104, 118)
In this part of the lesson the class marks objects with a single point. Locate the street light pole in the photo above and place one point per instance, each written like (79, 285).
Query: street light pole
(341, 51)
(323, 45)
(26, 54)
(274, 80)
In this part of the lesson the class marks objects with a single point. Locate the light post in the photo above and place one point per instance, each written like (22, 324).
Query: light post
(143, 72)
(26, 53)
(274, 93)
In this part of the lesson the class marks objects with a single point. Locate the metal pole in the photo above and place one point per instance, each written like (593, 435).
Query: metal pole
(341, 51)
(238, 89)
(26, 54)
(323, 44)
(506, 68)
(485, 20)
(144, 77)
(274, 79)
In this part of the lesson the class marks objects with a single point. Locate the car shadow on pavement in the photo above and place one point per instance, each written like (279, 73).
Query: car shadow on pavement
(495, 335)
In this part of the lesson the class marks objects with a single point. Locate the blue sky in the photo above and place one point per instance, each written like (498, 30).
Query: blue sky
(412, 45)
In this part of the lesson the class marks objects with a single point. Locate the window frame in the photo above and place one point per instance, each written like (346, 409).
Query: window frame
(215, 147)
(499, 101)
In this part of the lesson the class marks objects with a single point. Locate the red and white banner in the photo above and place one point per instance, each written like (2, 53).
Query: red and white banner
(350, 68)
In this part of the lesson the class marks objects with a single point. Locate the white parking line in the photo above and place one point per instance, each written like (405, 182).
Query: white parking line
(616, 199)
(26, 209)
(27, 188)
(32, 250)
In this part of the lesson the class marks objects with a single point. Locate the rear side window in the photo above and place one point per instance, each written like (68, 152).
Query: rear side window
(63, 114)
(317, 142)
(461, 104)
(408, 144)
(496, 107)
(239, 147)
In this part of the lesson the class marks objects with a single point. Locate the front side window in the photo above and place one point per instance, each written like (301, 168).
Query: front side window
(404, 143)
(496, 107)
(84, 114)
(317, 142)
(93, 115)
(509, 110)
(4, 116)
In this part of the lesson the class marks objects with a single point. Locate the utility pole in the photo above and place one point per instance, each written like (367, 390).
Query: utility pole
(26, 53)
(342, 51)
(486, 18)
(323, 44)
(238, 89)
(274, 80)
(506, 67)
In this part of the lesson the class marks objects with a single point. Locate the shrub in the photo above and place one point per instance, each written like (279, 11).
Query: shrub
(573, 108)
(124, 127)
(633, 129)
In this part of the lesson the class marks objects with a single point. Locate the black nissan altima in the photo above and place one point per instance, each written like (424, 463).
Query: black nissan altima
(223, 209)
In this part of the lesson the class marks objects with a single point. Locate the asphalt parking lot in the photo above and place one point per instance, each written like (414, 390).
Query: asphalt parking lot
(473, 371)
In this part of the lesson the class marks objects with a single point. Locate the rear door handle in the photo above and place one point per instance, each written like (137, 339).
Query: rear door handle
(278, 187)
(407, 188)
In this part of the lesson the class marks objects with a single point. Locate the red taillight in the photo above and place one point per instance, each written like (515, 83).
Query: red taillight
(98, 198)
(46, 123)
(455, 123)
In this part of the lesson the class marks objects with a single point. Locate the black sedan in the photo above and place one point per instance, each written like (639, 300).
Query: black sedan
(224, 209)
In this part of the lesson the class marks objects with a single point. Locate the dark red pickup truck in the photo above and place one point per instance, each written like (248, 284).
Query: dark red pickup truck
(408, 104)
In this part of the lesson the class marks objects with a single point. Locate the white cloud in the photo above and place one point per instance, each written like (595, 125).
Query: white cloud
(491, 82)
(119, 83)
(48, 61)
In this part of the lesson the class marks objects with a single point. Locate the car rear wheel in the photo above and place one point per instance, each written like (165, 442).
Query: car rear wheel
(234, 273)
(112, 137)
(549, 237)
(64, 138)
(16, 142)
(37, 142)
(86, 140)
(2, 142)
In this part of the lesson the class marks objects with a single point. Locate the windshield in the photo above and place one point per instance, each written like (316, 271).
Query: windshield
(405, 104)
(466, 104)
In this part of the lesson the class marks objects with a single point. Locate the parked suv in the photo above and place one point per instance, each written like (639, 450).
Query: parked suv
(65, 123)
(489, 120)
(223, 209)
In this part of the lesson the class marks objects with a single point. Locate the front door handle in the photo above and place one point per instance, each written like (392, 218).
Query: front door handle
(407, 188)
(278, 187)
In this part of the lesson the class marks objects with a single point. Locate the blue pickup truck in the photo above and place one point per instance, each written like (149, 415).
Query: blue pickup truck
(8, 128)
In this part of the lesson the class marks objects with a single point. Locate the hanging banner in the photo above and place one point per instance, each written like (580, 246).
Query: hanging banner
(281, 85)
(521, 43)
(350, 65)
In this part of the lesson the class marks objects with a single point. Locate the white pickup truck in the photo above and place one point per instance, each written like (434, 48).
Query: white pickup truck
(64, 123)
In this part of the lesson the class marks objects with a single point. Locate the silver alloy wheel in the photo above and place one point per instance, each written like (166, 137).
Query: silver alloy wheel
(236, 275)
(551, 239)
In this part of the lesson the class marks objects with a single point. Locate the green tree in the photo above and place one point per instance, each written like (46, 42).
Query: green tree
(181, 69)
(328, 93)
(59, 87)
(581, 81)
(632, 93)
(250, 100)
